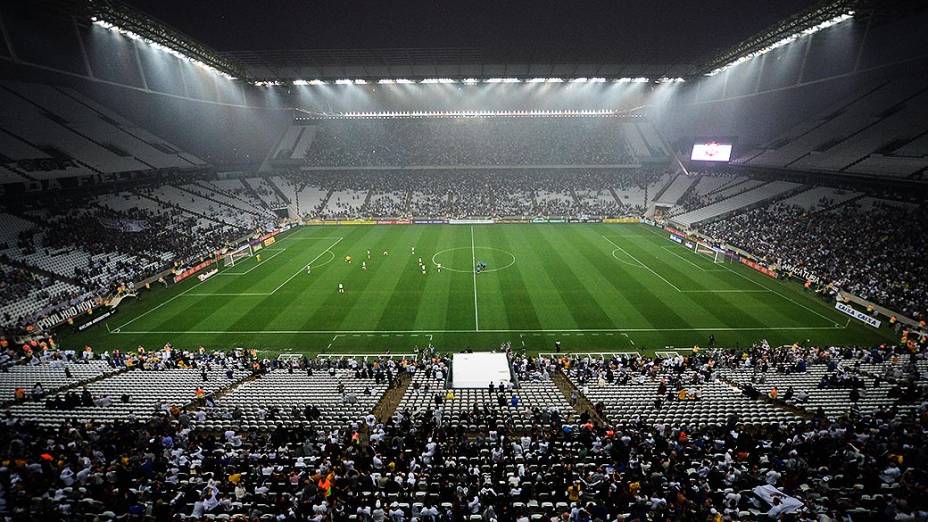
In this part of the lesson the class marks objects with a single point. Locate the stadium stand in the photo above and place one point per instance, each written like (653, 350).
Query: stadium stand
(738, 197)
(485, 141)
(847, 246)
(336, 396)
(673, 192)
(39, 378)
(260, 449)
(873, 131)
(55, 133)
(124, 162)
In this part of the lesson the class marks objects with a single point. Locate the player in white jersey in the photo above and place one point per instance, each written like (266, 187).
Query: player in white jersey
(341, 288)
(364, 265)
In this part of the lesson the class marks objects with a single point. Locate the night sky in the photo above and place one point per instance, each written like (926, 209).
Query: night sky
(633, 31)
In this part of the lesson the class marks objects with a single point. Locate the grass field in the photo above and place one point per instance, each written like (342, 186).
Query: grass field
(594, 287)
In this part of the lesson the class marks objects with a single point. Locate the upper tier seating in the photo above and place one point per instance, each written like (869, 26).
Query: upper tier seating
(737, 202)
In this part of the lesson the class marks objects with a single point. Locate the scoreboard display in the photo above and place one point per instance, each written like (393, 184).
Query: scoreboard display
(711, 151)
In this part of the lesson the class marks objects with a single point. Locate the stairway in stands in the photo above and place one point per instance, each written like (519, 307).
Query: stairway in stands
(390, 400)
(280, 193)
(583, 404)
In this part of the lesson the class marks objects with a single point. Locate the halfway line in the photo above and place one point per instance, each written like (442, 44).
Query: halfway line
(473, 257)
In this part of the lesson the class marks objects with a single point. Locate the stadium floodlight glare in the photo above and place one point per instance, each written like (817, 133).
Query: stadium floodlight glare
(316, 82)
(670, 80)
(476, 114)
(344, 82)
(300, 82)
(136, 26)
(502, 80)
(578, 80)
(438, 80)
(640, 79)
(544, 80)
(785, 38)
(470, 81)
(597, 80)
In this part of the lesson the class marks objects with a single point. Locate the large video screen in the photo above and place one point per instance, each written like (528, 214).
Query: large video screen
(711, 151)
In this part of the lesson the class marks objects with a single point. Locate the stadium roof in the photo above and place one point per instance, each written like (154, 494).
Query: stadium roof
(291, 39)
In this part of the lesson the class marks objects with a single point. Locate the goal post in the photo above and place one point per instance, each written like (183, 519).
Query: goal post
(717, 255)
(230, 258)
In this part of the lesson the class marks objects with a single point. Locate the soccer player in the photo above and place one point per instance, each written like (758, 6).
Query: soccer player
(438, 266)
(341, 288)
(423, 269)
(385, 253)
(420, 260)
(368, 253)
(348, 259)
(309, 269)
(258, 257)
(413, 250)
(364, 265)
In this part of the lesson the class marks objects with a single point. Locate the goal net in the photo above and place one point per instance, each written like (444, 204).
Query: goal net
(717, 255)
(234, 257)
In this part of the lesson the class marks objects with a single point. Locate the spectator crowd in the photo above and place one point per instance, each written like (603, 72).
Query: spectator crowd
(416, 466)
(876, 253)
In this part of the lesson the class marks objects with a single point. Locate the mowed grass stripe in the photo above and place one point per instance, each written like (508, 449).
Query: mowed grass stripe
(406, 290)
(561, 292)
(334, 307)
(541, 289)
(622, 281)
(367, 290)
(560, 264)
(647, 293)
(440, 305)
(747, 309)
(674, 259)
(506, 288)
(684, 276)
(604, 276)
(288, 301)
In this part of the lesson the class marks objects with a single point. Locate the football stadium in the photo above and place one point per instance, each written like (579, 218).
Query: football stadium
(433, 262)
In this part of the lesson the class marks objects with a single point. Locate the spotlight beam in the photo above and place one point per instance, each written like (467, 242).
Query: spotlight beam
(120, 17)
(818, 17)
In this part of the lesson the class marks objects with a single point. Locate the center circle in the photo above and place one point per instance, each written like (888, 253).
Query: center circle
(470, 269)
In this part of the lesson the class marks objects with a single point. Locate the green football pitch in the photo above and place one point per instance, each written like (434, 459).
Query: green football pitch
(593, 287)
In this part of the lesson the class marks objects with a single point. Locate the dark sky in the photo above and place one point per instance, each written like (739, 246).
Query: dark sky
(635, 31)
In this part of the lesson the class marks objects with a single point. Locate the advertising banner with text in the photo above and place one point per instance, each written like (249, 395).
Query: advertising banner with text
(857, 314)
(759, 267)
(192, 270)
